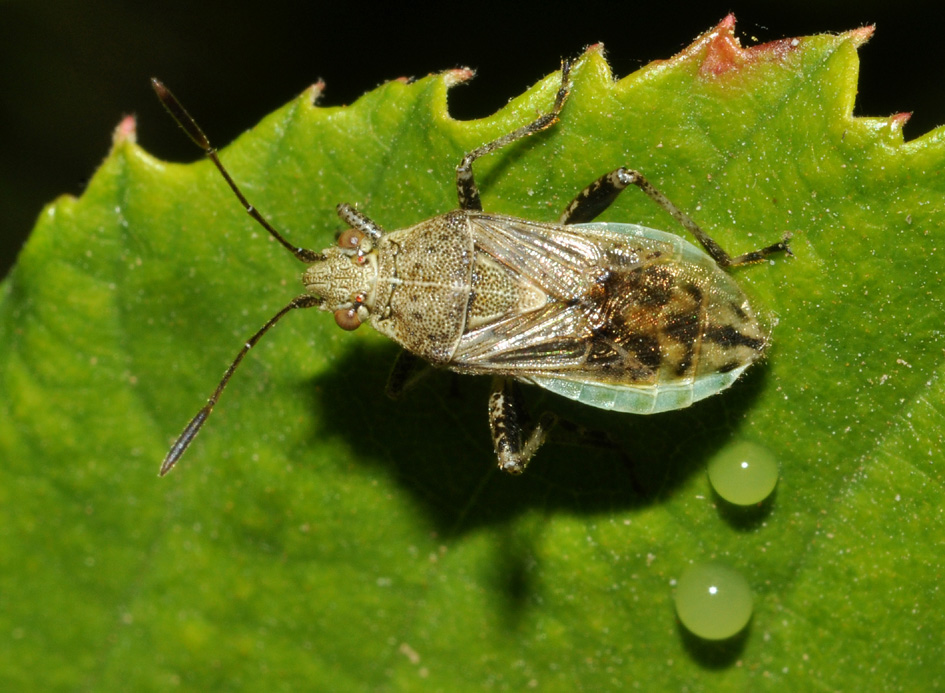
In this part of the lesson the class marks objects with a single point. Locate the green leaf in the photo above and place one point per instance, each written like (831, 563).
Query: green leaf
(320, 537)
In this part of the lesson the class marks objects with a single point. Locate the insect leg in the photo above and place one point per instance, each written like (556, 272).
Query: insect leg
(407, 369)
(595, 198)
(465, 183)
(505, 409)
(600, 194)
(359, 221)
(193, 428)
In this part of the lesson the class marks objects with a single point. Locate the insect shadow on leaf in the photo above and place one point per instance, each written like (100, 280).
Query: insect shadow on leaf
(431, 444)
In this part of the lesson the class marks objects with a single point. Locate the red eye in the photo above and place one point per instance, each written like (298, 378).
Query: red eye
(347, 318)
(350, 239)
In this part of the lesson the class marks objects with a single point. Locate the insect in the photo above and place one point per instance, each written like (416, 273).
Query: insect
(617, 316)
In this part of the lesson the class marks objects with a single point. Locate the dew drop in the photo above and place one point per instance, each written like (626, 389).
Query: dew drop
(713, 601)
(743, 473)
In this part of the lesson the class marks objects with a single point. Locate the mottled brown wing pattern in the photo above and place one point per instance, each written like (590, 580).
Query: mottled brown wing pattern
(622, 308)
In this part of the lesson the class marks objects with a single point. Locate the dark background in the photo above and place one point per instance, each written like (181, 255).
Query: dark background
(69, 70)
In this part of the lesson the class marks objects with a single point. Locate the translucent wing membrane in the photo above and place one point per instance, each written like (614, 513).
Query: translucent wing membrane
(634, 319)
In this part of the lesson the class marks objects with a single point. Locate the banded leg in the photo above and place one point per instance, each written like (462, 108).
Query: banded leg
(600, 194)
(356, 220)
(466, 187)
(505, 410)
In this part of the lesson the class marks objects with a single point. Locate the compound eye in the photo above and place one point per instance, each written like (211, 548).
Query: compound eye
(350, 239)
(347, 318)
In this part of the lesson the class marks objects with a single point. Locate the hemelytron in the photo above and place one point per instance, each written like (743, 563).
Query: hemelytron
(617, 316)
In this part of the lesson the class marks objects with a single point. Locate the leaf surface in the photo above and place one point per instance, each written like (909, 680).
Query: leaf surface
(320, 537)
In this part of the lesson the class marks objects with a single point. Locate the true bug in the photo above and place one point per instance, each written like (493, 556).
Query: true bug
(617, 316)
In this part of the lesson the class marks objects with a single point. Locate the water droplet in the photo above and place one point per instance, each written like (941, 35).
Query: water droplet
(743, 473)
(713, 601)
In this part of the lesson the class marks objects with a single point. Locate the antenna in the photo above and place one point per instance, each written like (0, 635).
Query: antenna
(193, 130)
(193, 428)
(189, 125)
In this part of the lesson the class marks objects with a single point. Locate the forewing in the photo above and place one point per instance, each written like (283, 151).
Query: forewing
(549, 339)
(562, 261)
(627, 308)
(571, 266)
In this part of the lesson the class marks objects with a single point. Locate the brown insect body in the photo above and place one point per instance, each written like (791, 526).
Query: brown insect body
(608, 307)
(617, 316)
